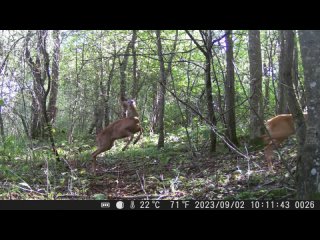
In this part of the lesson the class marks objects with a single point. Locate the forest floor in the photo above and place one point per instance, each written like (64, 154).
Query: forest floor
(143, 172)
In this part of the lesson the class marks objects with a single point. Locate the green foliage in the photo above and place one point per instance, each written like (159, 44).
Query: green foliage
(99, 197)
(12, 147)
(257, 143)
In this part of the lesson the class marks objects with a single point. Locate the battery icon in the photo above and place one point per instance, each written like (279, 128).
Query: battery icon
(105, 205)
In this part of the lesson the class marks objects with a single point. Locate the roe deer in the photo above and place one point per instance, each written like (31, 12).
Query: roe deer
(122, 128)
(279, 128)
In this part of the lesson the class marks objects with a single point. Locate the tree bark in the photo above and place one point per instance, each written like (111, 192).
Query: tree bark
(230, 92)
(211, 116)
(298, 86)
(37, 118)
(299, 122)
(165, 74)
(107, 94)
(162, 91)
(208, 41)
(52, 107)
(40, 71)
(135, 79)
(308, 165)
(1, 125)
(282, 88)
(43, 34)
(123, 76)
(1, 119)
(256, 100)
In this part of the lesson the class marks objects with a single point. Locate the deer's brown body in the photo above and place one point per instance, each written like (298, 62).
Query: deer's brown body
(123, 128)
(279, 129)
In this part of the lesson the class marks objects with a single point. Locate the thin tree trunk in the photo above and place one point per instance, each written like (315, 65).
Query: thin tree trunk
(123, 76)
(298, 86)
(219, 98)
(292, 99)
(207, 38)
(155, 112)
(23, 121)
(282, 89)
(230, 92)
(295, 71)
(43, 49)
(107, 96)
(162, 91)
(208, 84)
(98, 111)
(1, 119)
(1, 125)
(211, 116)
(52, 108)
(272, 53)
(135, 80)
(267, 89)
(256, 118)
(165, 74)
(76, 95)
(101, 93)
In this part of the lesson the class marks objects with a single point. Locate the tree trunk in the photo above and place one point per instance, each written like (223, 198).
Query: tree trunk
(267, 89)
(295, 70)
(165, 74)
(162, 91)
(98, 111)
(288, 79)
(282, 88)
(208, 84)
(271, 73)
(207, 38)
(298, 86)
(230, 92)
(52, 108)
(295, 109)
(1, 119)
(256, 117)
(135, 80)
(46, 61)
(37, 120)
(1, 125)
(308, 165)
(40, 71)
(76, 94)
(107, 94)
(100, 108)
(123, 76)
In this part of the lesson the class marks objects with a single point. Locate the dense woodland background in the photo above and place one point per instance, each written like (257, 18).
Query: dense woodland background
(202, 95)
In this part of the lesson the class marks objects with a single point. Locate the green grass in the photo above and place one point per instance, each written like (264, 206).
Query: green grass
(30, 171)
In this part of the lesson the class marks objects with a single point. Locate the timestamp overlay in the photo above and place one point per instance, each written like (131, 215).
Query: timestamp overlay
(132, 205)
(246, 204)
(216, 205)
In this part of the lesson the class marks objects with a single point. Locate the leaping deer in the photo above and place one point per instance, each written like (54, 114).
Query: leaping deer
(122, 128)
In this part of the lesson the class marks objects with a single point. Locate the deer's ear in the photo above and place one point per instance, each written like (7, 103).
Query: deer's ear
(131, 101)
